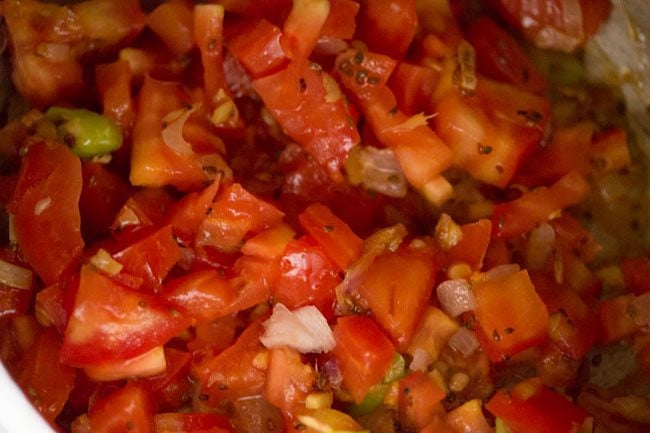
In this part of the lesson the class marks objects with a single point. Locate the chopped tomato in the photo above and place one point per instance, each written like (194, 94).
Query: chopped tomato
(473, 245)
(510, 314)
(126, 409)
(519, 216)
(47, 220)
(110, 322)
(172, 388)
(340, 243)
(560, 25)
(191, 423)
(305, 276)
(341, 20)
(419, 399)
(234, 373)
(413, 86)
(256, 44)
(47, 382)
(500, 57)
(151, 258)
(636, 271)
(532, 407)
(386, 32)
(616, 320)
(202, 295)
(288, 381)
(396, 287)
(362, 352)
(172, 22)
(114, 87)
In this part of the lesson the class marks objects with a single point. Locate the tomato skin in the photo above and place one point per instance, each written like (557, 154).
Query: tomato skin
(362, 352)
(231, 374)
(419, 399)
(472, 247)
(203, 295)
(500, 57)
(151, 258)
(256, 44)
(387, 33)
(636, 272)
(126, 409)
(519, 216)
(45, 381)
(305, 276)
(511, 316)
(114, 87)
(288, 380)
(47, 220)
(397, 309)
(340, 243)
(110, 322)
(543, 411)
(556, 24)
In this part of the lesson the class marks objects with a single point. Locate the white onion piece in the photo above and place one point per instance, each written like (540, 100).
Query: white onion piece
(421, 360)
(381, 172)
(15, 276)
(640, 309)
(501, 271)
(103, 261)
(456, 297)
(540, 246)
(304, 329)
(172, 134)
(464, 341)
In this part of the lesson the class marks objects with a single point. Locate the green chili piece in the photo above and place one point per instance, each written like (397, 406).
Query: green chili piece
(375, 396)
(88, 134)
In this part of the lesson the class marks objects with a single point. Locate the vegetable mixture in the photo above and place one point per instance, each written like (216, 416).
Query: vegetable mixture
(320, 216)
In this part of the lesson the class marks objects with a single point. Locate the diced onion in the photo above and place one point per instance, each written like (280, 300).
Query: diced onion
(456, 297)
(464, 341)
(540, 246)
(103, 261)
(448, 233)
(640, 309)
(501, 271)
(421, 360)
(15, 276)
(381, 172)
(304, 329)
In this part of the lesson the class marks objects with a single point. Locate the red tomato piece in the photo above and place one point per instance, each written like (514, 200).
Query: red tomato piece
(151, 258)
(531, 407)
(253, 282)
(419, 399)
(110, 322)
(500, 57)
(202, 295)
(616, 321)
(574, 327)
(232, 373)
(256, 45)
(47, 222)
(50, 306)
(270, 243)
(397, 309)
(146, 208)
(114, 86)
(126, 409)
(556, 24)
(362, 352)
(208, 34)
(387, 32)
(306, 102)
(567, 151)
(519, 216)
(413, 86)
(191, 423)
(187, 214)
(234, 215)
(288, 380)
(172, 22)
(173, 388)
(472, 247)
(305, 276)
(420, 152)
(45, 381)
(511, 316)
(636, 272)
(340, 243)
(341, 21)
(102, 196)
(156, 161)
